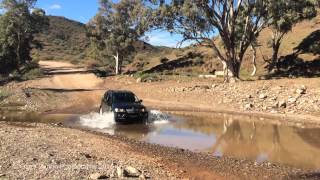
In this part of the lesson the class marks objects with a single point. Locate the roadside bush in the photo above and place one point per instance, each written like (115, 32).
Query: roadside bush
(48, 57)
(178, 53)
(164, 60)
(146, 77)
(4, 94)
(32, 74)
(198, 61)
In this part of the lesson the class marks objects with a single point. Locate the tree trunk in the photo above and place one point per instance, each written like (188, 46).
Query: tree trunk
(116, 57)
(254, 57)
(231, 71)
(275, 52)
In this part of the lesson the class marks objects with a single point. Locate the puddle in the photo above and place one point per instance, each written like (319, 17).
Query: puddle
(222, 135)
(218, 134)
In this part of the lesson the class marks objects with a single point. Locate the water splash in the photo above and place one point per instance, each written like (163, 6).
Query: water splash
(106, 120)
(97, 120)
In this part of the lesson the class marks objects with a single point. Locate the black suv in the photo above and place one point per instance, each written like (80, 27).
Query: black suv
(125, 105)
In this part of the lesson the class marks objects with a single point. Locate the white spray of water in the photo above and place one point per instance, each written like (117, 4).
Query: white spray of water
(106, 120)
(97, 120)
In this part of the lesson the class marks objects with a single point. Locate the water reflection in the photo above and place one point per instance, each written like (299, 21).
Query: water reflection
(244, 138)
(232, 136)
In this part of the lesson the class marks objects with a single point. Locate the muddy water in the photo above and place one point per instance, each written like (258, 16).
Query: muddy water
(218, 134)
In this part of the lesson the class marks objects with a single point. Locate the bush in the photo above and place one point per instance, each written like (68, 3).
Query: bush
(48, 57)
(164, 60)
(178, 53)
(32, 74)
(4, 94)
(141, 57)
(198, 61)
(145, 77)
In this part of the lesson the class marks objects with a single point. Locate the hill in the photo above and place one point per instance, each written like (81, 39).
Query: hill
(204, 61)
(64, 40)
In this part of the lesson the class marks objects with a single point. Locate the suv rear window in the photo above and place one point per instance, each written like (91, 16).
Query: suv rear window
(123, 98)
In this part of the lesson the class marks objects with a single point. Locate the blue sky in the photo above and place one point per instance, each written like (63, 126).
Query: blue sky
(84, 10)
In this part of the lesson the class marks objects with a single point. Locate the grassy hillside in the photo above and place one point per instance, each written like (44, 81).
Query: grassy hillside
(206, 62)
(64, 40)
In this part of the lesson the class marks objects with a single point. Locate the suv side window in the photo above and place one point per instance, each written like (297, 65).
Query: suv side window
(109, 99)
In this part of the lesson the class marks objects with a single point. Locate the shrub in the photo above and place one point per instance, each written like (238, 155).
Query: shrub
(178, 53)
(145, 77)
(164, 60)
(48, 57)
(140, 57)
(4, 94)
(32, 74)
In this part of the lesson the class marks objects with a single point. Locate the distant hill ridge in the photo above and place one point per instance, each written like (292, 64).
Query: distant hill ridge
(65, 39)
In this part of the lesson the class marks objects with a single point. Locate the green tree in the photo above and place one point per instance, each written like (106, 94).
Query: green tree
(18, 25)
(117, 26)
(283, 15)
(233, 24)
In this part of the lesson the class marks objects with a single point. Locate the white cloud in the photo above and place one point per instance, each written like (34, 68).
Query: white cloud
(55, 6)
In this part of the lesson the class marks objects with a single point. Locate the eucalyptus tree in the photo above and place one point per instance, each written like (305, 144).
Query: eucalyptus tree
(283, 16)
(228, 27)
(18, 25)
(118, 25)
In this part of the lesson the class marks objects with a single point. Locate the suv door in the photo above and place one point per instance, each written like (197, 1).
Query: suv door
(106, 103)
(109, 102)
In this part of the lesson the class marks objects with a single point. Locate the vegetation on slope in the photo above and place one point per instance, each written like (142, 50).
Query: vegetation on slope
(64, 40)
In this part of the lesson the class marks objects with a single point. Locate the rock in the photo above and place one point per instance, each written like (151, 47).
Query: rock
(98, 176)
(120, 172)
(130, 171)
(58, 124)
(88, 156)
(282, 104)
(263, 96)
(248, 106)
(208, 76)
(142, 177)
(273, 98)
(139, 80)
(214, 85)
(249, 96)
(292, 100)
(2, 175)
(205, 87)
(301, 90)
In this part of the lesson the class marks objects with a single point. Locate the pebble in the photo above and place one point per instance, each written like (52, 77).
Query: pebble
(282, 104)
(292, 100)
(263, 96)
(98, 176)
(130, 171)
(301, 90)
(120, 172)
(249, 106)
(142, 177)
